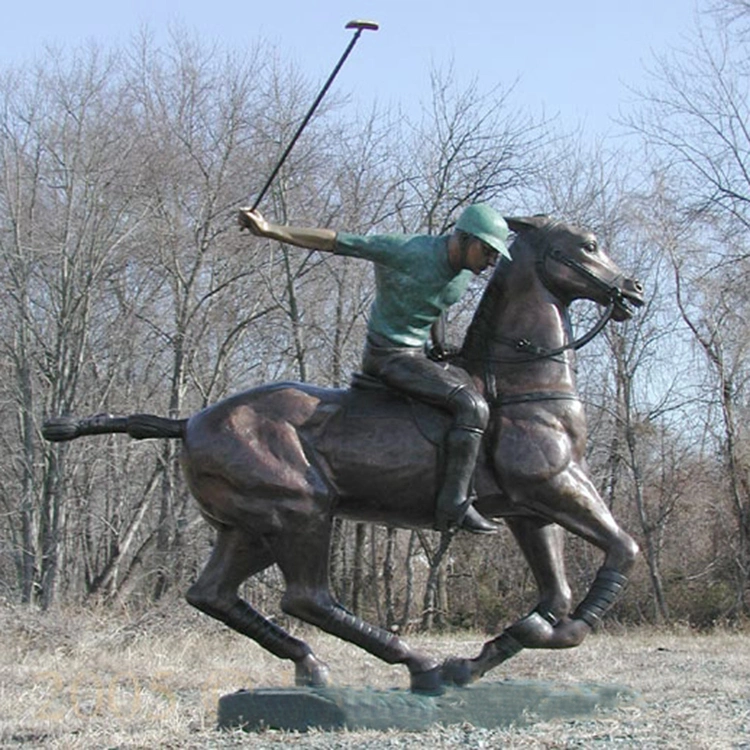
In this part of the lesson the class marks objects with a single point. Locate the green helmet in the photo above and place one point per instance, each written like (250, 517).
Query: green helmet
(486, 224)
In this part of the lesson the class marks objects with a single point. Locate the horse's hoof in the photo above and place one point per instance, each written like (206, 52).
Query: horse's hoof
(429, 682)
(457, 671)
(309, 672)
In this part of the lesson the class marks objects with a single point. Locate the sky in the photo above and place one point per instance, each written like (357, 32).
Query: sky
(575, 61)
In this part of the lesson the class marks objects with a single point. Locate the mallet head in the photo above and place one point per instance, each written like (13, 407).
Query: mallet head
(363, 25)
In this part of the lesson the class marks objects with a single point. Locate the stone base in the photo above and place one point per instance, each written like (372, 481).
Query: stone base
(486, 704)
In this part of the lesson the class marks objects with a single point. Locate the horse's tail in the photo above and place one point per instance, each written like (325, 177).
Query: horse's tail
(138, 426)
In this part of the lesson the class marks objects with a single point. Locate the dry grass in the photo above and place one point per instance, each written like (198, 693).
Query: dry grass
(95, 679)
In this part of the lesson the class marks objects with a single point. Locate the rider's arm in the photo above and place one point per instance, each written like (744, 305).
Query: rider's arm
(307, 237)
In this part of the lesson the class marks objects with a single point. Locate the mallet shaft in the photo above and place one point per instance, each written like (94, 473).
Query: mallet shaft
(360, 26)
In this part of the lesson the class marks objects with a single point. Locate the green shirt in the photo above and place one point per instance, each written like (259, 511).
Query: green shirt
(414, 282)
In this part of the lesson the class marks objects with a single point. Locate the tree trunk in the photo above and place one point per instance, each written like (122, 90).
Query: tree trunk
(358, 571)
(409, 584)
(389, 567)
(431, 613)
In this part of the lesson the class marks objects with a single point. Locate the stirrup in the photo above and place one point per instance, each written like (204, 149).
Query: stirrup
(476, 523)
(468, 519)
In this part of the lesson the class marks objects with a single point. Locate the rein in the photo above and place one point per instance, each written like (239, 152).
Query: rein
(536, 353)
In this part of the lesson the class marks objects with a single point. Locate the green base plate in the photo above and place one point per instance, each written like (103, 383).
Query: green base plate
(485, 704)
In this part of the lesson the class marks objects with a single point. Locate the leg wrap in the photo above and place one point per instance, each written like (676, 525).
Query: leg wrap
(378, 642)
(498, 650)
(605, 589)
(244, 619)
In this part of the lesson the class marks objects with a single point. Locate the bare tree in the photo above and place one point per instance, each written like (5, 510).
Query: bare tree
(471, 146)
(720, 329)
(197, 133)
(65, 219)
(694, 120)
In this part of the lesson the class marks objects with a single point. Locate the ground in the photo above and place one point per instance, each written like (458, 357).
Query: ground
(100, 678)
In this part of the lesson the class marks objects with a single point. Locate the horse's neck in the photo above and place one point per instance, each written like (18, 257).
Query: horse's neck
(512, 312)
(537, 317)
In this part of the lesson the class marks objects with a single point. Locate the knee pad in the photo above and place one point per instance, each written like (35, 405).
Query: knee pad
(469, 408)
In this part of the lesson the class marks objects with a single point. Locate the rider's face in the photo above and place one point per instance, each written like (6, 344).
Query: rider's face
(479, 256)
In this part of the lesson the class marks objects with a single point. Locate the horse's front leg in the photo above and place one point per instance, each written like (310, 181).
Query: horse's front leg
(542, 544)
(572, 501)
(548, 625)
(542, 629)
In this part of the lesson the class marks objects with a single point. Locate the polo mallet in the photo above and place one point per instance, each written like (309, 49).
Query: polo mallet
(360, 26)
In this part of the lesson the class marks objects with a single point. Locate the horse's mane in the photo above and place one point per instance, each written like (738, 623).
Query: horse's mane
(481, 323)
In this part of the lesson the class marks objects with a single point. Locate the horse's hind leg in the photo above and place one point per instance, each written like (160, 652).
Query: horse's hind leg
(303, 559)
(235, 557)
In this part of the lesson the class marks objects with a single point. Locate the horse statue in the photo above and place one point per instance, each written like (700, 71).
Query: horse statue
(272, 466)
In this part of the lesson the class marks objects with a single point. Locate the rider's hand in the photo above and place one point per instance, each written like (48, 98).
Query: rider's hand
(434, 352)
(252, 220)
(442, 352)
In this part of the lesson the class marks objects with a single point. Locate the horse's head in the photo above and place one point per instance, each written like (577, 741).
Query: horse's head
(572, 265)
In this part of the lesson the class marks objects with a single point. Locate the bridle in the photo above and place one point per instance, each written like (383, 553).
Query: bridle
(534, 352)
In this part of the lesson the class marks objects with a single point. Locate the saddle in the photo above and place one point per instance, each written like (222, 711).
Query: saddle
(369, 399)
(377, 444)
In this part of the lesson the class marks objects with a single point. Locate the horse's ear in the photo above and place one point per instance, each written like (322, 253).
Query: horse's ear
(519, 224)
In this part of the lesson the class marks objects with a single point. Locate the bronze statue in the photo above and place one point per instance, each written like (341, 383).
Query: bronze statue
(272, 466)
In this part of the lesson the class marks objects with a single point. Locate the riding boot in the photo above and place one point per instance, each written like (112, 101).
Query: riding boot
(454, 501)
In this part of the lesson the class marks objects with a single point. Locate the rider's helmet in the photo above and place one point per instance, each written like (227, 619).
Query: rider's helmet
(483, 222)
